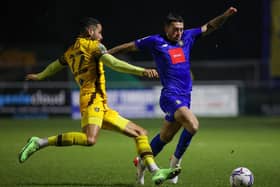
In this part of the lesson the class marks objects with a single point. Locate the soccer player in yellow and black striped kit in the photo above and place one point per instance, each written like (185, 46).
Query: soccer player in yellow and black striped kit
(85, 58)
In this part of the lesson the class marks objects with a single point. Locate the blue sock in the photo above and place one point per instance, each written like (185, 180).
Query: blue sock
(157, 144)
(184, 142)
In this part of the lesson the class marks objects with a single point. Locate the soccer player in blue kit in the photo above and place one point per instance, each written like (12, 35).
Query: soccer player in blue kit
(171, 52)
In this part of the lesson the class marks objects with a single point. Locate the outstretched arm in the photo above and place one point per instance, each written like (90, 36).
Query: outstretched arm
(218, 21)
(124, 67)
(50, 70)
(123, 48)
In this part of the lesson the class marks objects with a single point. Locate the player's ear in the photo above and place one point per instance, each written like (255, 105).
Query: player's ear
(90, 31)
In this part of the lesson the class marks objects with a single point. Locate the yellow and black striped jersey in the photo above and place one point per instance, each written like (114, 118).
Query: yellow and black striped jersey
(83, 60)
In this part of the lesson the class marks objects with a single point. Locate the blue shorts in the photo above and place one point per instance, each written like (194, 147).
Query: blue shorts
(169, 103)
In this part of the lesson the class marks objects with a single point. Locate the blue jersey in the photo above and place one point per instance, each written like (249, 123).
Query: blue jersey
(172, 60)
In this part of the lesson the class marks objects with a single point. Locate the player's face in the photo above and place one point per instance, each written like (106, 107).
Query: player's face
(174, 31)
(96, 32)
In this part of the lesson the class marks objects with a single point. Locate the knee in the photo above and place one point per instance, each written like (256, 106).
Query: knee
(191, 125)
(194, 126)
(139, 131)
(91, 141)
(143, 132)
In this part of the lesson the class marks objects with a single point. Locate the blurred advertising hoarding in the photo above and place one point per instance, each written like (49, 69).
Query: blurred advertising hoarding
(32, 103)
(215, 100)
(130, 103)
(207, 100)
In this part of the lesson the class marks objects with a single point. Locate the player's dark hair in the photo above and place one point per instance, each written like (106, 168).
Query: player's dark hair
(86, 22)
(173, 17)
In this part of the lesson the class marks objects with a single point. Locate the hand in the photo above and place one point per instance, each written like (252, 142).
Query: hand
(150, 73)
(33, 77)
(230, 11)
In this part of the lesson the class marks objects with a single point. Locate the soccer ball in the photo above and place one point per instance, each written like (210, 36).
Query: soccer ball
(241, 177)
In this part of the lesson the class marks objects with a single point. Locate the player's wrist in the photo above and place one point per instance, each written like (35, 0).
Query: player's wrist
(144, 72)
(39, 76)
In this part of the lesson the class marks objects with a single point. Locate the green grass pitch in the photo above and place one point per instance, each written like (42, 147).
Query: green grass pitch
(221, 145)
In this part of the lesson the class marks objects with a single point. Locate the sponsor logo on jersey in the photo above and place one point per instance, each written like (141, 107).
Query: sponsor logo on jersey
(181, 43)
(177, 55)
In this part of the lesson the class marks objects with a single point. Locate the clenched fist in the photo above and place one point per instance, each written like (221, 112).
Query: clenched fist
(33, 77)
(150, 73)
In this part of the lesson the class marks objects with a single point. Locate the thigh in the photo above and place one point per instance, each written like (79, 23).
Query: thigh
(134, 130)
(113, 121)
(187, 119)
(92, 109)
(91, 131)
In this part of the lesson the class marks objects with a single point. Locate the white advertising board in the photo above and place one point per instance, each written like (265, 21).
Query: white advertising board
(207, 100)
(215, 100)
(135, 103)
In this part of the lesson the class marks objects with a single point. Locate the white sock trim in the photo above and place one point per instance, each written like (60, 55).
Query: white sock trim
(174, 162)
(43, 142)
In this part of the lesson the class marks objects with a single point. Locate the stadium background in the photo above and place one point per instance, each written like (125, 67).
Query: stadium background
(236, 88)
(242, 53)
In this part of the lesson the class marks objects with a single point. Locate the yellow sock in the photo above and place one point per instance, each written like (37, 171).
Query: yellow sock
(145, 151)
(67, 139)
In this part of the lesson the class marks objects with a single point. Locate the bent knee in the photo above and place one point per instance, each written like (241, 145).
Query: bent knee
(139, 132)
(191, 125)
(143, 132)
(194, 126)
(91, 141)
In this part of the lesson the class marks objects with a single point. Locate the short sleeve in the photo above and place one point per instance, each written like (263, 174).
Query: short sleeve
(191, 34)
(102, 49)
(99, 50)
(145, 43)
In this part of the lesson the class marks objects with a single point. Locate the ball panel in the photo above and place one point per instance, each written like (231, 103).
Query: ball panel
(241, 176)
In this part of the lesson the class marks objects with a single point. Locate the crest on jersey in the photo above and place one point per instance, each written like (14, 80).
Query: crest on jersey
(178, 102)
(102, 49)
(180, 43)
